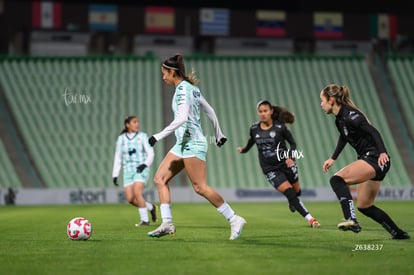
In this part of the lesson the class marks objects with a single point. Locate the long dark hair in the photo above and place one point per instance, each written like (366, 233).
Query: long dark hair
(280, 113)
(176, 63)
(127, 120)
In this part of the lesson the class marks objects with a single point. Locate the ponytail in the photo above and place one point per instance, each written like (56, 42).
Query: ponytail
(341, 95)
(282, 115)
(176, 63)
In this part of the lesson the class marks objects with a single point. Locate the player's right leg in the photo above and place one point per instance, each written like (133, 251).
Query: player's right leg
(169, 167)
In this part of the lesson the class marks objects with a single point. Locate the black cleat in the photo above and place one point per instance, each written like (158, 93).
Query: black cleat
(292, 208)
(401, 235)
(142, 223)
(153, 213)
(350, 225)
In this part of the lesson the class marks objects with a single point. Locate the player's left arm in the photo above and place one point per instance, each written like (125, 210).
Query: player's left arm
(211, 114)
(150, 152)
(287, 134)
(362, 123)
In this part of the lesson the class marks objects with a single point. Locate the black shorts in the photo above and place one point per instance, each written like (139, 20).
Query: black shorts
(380, 171)
(278, 176)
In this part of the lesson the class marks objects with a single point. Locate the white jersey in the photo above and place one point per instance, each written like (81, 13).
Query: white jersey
(132, 150)
(186, 105)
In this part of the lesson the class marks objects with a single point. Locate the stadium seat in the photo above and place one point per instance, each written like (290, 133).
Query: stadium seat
(73, 144)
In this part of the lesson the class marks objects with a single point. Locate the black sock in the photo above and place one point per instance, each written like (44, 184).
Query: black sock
(294, 200)
(382, 218)
(344, 196)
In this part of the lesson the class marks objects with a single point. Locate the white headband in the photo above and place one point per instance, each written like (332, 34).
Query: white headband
(169, 67)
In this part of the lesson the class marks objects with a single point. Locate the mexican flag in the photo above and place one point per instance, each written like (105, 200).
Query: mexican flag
(383, 26)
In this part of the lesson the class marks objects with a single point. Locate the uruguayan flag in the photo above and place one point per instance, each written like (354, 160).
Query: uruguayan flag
(214, 21)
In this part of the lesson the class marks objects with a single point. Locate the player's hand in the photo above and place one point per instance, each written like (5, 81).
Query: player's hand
(239, 149)
(221, 142)
(383, 159)
(289, 162)
(141, 168)
(327, 164)
(114, 180)
(152, 141)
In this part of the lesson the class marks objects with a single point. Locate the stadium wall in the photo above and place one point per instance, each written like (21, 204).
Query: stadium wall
(183, 195)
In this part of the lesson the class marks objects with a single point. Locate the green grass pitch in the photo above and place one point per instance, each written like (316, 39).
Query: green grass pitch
(274, 241)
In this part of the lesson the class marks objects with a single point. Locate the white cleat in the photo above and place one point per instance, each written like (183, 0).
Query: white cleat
(166, 228)
(236, 227)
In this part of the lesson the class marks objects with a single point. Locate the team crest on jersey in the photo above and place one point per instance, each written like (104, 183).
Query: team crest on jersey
(272, 134)
(196, 93)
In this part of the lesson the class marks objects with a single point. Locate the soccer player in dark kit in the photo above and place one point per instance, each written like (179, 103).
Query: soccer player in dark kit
(276, 160)
(367, 171)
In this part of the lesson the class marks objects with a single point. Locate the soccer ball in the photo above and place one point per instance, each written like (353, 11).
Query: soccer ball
(79, 228)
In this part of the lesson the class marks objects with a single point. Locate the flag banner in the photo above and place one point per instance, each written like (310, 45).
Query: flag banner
(103, 17)
(214, 21)
(46, 15)
(159, 19)
(328, 25)
(270, 23)
(383, 26)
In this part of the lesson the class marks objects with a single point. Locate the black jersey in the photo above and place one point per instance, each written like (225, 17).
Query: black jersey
(271, 145)
(355, 129)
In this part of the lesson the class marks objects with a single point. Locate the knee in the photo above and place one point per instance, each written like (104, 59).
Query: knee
(199, 189)
(298, 193)
(337, 182)
(159, 181)
(130, 199)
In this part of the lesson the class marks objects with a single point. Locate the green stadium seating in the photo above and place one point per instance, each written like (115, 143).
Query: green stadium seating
(73, 145)
(8, 176)
(402, 71)
(233, 85)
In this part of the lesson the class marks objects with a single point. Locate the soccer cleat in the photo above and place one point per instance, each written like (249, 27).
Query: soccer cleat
(142, 223)
(401, 235)
(236, 227)
(166, 228)
(153, 213)
(314, 223)
(292, 208)
(350, 225)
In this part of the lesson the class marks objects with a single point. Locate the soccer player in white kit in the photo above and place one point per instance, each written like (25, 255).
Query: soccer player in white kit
(135, 155)
(190, 150)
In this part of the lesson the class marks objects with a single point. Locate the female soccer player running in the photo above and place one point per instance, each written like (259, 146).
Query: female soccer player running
(135, 155)
(190, 150)
(276, 160)
(368, 171)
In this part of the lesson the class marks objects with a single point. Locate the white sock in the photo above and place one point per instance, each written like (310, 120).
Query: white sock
(226, 211)
(308, 217)
(166, 214)
(149, 206)
(143, 213)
